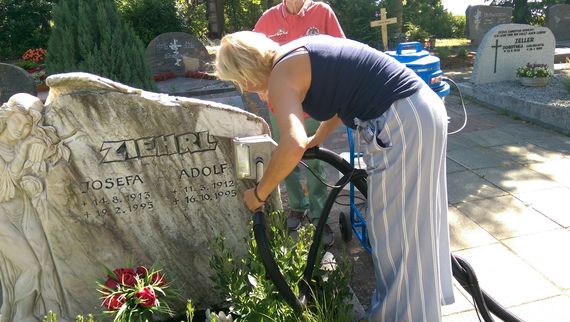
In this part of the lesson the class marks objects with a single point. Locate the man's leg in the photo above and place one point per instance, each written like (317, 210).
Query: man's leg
(298, 203)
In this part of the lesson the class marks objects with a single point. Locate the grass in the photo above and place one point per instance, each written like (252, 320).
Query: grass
(452, 42)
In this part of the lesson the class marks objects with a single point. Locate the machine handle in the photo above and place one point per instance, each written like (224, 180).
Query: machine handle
(403, 45)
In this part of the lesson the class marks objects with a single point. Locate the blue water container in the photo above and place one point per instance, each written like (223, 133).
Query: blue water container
(425, 65)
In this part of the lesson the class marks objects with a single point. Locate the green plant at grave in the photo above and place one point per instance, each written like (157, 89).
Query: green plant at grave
(252, 296)
(534, 71)
(462, 52)
(566, 83)
(52, 317)
(90, 36)
(443, 52)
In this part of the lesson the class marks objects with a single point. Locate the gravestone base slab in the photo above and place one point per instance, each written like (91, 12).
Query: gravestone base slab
(552, 112)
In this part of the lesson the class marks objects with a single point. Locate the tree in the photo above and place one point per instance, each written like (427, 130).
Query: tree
(354, 17)
(23, 25)
(215, 10)
(527, 12)
(90, 36)
(192, 15)
(150, 18)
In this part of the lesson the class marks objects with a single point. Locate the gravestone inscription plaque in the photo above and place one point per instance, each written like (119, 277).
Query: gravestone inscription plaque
(508, 47)
(117, 177)
(176, 52)
(480, 19)
(558, 20)
(14, 79)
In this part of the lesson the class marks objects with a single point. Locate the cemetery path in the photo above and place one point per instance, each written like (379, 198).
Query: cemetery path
(507, 189)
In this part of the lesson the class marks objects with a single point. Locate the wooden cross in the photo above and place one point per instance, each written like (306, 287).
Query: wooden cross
(383, 24)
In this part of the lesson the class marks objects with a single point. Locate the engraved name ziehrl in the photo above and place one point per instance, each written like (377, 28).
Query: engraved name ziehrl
(124, 150)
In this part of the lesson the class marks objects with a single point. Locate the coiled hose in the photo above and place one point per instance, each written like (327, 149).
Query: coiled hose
(462, 271)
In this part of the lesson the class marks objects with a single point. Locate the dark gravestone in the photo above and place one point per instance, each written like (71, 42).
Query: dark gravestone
(480, 19)
(176, 52)
(558, 20)
(214, 91)
(13, 80)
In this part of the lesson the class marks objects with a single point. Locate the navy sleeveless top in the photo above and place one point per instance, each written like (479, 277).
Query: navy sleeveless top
(353, 80)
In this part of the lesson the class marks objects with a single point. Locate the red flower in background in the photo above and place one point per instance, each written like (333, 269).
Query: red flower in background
(35, 54)
(126, 276)
(111, 284)
(147, 297)
(157, 279)
(141, 271)
(114, 301)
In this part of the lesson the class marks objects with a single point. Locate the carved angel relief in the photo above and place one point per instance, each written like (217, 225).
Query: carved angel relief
(30, 283)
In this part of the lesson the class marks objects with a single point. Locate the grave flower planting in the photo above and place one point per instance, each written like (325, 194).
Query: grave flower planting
(134, 294)
(535, 75)
(33, 61)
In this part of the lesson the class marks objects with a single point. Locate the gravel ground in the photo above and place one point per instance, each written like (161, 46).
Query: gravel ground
(553, 94)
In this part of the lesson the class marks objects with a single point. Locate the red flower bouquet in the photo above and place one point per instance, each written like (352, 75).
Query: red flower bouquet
(134, 294)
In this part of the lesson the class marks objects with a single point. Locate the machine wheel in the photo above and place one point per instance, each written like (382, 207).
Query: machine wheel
(345, 227)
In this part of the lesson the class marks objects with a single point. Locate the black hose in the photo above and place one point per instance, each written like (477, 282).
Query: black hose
(462, 271)
(357, 177)
(484, 303)
(269, 263)
(313, 251)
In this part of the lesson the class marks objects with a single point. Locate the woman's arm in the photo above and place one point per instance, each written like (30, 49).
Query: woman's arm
(288, 86)
(324, 130)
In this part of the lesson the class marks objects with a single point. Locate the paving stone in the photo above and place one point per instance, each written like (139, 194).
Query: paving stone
(506, 277)
(526, 153)
(493, 137)
(517, 179)
(465, 233)
(552, 309)
(558, 143)
(548, 203)
(479, 157)
(453, 166)
(526, 130)
(463, 301)
(505, 217)
(546, 252)
(469, 316)
(459, 141)
(466, 185)
(556, 170)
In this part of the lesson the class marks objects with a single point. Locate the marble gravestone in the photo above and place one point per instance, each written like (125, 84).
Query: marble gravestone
(480, 19)
(508, 47)
(176, 52)
(109, 176)
(14, 79)
(558, 20)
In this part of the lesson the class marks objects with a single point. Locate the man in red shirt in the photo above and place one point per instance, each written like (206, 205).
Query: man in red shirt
(283, 23)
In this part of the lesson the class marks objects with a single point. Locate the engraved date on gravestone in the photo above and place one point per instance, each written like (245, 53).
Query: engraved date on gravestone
(215, 191)
(117, 204)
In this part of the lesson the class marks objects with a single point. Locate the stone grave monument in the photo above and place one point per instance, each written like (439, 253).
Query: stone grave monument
(14, 79)
(508, 47)
(558, 21)
(176, 52)
(107, 176)
(480, 19)
(181, 53)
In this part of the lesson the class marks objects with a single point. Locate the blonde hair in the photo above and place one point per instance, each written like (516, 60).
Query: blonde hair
(245, 57)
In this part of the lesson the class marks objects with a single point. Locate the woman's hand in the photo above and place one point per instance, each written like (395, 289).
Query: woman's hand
(313, 142)
(251, 201)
